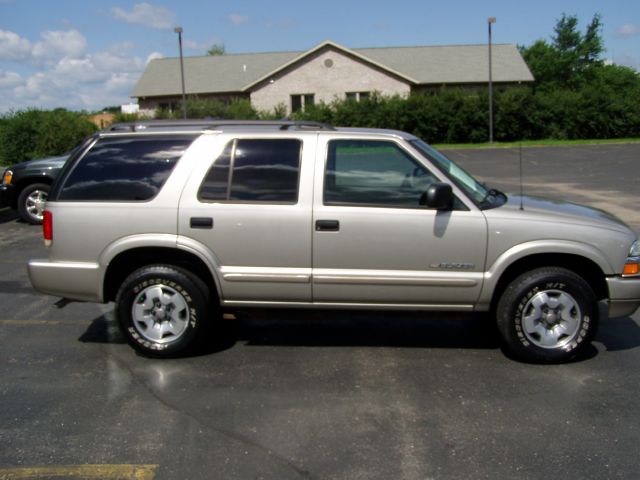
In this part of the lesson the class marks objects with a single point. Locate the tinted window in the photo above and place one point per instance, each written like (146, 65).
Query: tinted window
(124, 169)
(255, 171)
(373, 173)
(216, 183)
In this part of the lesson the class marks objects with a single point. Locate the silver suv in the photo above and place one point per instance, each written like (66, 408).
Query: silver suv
(176, 221)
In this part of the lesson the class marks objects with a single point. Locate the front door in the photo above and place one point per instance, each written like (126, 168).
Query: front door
(374, 244)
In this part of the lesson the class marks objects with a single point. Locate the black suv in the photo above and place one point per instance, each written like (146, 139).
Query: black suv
(25, 186)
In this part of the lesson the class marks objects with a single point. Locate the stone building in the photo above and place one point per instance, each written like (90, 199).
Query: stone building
(293, 80)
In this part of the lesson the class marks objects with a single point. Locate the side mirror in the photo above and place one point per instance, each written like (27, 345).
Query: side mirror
(439, 196)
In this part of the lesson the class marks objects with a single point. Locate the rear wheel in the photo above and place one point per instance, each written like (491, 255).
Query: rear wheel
(163, 310)
(31, 202)
(547, 315)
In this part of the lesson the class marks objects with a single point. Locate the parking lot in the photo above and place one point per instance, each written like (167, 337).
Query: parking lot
(323, 395)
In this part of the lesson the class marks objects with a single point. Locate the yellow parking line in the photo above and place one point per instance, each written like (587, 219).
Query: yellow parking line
(27, 322)
(106, 472)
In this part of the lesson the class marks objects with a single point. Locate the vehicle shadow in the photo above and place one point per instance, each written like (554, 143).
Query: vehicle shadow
(103, 330)
(363, 329)
(332, 328)
(8, 215)
(328, 328)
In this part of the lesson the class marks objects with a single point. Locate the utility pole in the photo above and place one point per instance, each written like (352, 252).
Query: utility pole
(178, 30)
(490, 21)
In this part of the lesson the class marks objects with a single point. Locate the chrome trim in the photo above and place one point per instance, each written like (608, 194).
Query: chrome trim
(266, 274)
(393, 280)
(283, 278)
(343, 305)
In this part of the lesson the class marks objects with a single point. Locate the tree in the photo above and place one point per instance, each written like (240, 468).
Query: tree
(568, 60)
(217, 49)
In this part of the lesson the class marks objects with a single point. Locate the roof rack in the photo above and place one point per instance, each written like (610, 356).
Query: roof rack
(212, 124)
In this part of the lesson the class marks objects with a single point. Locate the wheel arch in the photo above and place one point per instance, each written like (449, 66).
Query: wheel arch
(589, 270)
(127, 261)
(25, 182)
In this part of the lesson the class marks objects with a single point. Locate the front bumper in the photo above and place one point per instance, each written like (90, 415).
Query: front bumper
(624, 295)
(72, 280)
(7, 196)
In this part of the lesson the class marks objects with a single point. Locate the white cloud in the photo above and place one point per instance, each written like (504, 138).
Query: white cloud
(148, 15)
(627, 30)
(59, 44)
(153, 56)
(13, 47)
(9, 79)
(69, 77)
(58, 71)
(238, 19)
(192, 45)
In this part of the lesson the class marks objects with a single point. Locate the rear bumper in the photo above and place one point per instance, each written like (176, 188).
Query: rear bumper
(624, 295)
(75, 281)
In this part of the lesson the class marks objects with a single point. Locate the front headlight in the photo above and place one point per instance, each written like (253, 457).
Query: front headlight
(632, 265)
(7, 177)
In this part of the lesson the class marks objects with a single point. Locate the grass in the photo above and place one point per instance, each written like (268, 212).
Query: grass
(536, 143)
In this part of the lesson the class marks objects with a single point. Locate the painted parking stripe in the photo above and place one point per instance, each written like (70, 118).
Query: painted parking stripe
(31, 322)
(106, 472)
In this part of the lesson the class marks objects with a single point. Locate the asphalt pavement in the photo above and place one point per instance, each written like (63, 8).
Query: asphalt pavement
(322, 395)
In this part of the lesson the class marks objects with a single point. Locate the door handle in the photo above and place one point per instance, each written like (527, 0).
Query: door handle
(201, 222)
(327, 225)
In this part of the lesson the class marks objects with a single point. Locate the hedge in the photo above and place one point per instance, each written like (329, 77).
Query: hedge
(29, 134)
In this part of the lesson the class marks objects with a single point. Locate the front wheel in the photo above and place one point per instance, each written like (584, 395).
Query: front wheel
(31, 202)
(549, 314)
(162, 310)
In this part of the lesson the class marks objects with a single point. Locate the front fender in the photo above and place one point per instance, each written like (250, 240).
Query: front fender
(518, 252)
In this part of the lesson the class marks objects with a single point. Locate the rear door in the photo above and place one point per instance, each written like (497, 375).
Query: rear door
(247, 206)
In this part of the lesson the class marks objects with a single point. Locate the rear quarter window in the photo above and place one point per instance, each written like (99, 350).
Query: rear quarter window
(126, 169)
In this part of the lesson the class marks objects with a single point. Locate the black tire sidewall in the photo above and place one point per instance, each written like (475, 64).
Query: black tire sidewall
(22, 208)
(522, 289)
(181, 281)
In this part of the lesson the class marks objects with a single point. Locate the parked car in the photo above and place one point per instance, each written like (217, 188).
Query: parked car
(25, 186)
(176, 221)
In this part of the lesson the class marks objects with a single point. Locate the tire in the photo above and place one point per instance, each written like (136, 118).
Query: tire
(163, 311)
(31, 202)
(547, 315)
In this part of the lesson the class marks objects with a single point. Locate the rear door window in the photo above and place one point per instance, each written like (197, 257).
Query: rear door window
(254, 170)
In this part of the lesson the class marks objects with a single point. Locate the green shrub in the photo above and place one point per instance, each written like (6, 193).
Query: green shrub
(29, 134)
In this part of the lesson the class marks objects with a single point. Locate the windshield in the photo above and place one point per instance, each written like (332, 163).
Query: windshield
(463, 180)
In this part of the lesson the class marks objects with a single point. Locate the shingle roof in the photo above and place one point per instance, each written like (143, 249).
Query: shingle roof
(453, 63)
(421, 65)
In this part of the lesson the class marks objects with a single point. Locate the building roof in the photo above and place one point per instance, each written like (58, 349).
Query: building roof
(427, 65)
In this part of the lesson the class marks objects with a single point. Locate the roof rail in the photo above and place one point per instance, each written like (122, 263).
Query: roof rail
(211, 124)
(145, 124)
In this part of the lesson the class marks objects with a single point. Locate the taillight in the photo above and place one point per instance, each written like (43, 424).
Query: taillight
(47, 227)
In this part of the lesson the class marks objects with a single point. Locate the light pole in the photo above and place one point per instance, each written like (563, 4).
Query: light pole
(178, 30)
(490, 20)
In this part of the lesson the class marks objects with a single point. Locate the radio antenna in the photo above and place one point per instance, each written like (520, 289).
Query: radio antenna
(521, 185)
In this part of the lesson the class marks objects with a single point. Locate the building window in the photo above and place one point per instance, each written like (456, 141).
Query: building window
(357, 96)
(301, 102)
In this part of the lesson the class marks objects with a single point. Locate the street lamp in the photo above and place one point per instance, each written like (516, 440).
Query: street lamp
(490, 20)
(178, 30)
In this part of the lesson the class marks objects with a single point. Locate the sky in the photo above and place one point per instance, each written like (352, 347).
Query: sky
(88, 54)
